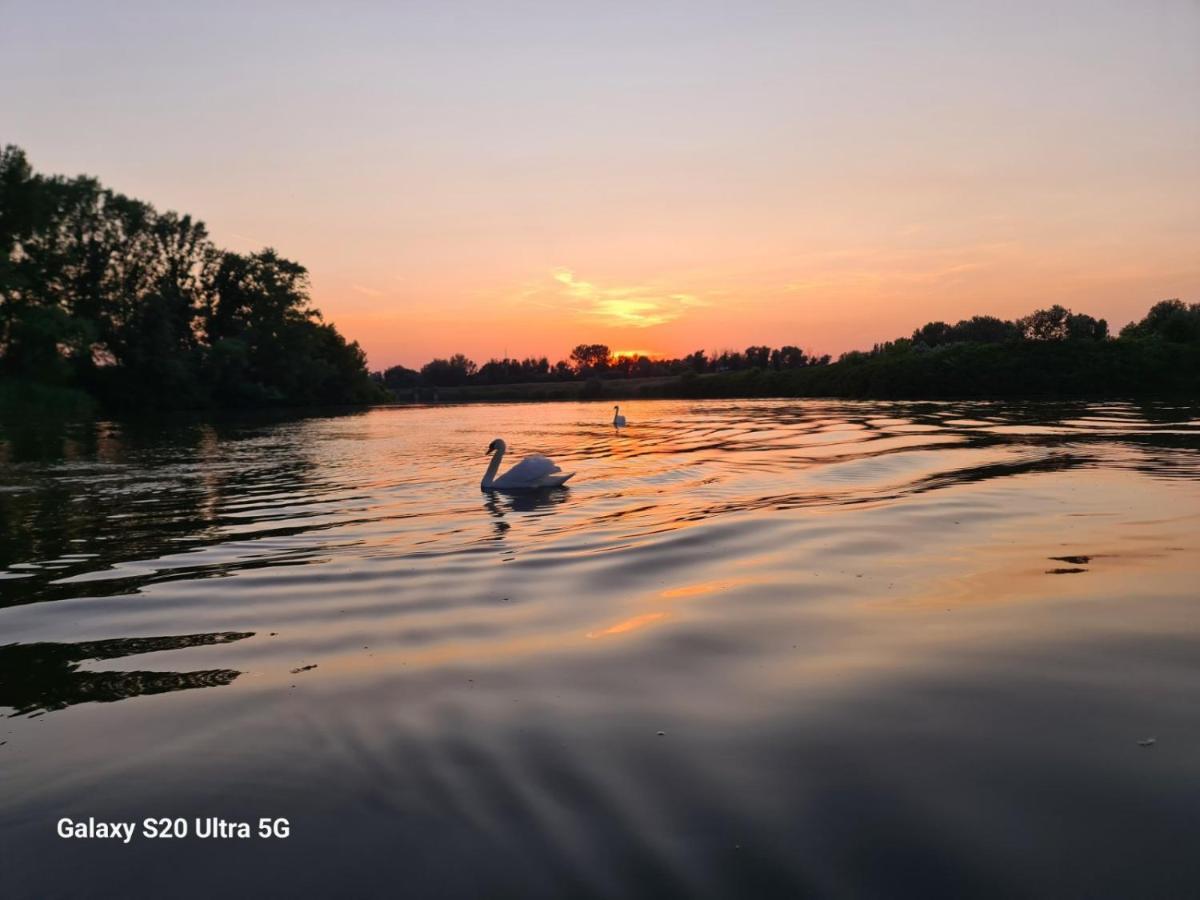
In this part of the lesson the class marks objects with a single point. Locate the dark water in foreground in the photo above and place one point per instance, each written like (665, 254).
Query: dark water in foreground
(893, 650)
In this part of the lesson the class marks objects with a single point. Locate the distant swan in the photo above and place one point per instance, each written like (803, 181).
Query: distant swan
(618, 419)
(531, 473)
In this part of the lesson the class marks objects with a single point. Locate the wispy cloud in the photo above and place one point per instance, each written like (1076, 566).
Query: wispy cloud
(632, 306)
(876, 268)
(366, 291)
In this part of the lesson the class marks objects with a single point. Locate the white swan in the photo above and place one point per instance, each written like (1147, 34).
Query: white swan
(531, 473)
(618, 419)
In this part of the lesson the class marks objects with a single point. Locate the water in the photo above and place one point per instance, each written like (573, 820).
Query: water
(757, 649)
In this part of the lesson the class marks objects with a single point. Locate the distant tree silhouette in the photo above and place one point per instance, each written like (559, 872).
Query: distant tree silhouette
(1047, 353)
(450, 372)
(758, 357)
(590, 357)
(399, 378)
(984, 330)
(933, 334)
(1045, 324)
(1169, 320)
(791, 358)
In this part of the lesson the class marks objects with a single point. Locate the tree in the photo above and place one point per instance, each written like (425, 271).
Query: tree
(984, 330)
(791, 358)
(729, 360)
(399, 378)
(1084, 328)
(758, 357)
(933, 334)
(535, 368)
(104, 292)
(1045, 324)
(1169, 320)
(590, 357)
(643, 366)
(452, 372)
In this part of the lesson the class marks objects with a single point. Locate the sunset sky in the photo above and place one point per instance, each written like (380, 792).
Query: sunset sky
(522, 177)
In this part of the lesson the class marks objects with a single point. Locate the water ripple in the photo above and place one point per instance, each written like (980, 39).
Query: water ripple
(763, 648)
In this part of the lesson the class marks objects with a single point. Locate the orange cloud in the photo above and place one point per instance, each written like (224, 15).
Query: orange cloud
(630, 306)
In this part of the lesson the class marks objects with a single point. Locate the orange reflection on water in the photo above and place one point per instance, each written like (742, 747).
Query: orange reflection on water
(703, 587)
(629, 625)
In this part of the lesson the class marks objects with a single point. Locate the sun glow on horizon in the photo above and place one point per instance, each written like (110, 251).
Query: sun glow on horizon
(635, 354)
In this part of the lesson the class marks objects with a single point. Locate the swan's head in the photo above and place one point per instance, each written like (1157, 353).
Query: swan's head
(616, 408)
(497, 444)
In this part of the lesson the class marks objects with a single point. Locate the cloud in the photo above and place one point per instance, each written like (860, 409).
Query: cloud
(630, 306)
(874, 268)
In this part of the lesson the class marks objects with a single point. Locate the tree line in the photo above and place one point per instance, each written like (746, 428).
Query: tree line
(1049, 353)
(590, 361)
(103, 293)
(1055, 326)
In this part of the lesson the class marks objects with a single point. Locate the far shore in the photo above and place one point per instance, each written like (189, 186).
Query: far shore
(1125, 369)
(1028, 370)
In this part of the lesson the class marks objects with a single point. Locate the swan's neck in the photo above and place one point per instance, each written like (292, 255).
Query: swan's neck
(494, 466)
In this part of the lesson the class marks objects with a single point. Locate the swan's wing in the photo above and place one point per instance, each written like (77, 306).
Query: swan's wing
(529, 471)
(558, 479)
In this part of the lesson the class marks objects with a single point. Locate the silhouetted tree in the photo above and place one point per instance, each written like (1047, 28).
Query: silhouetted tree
(758, 357)
(1045, 324)
(729, 361)
(791, 358)
(933, 334)
(590, 357)
(103, 292)
(450, 372)
(1170, 320)
(1083, 327)
(399, 378)
(984, 330)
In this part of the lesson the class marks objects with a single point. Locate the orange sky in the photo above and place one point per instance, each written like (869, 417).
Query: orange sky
(492, 178)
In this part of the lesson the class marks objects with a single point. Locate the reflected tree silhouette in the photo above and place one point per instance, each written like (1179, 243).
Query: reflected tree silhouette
(497, 503)
(69, 480)
(46, 676)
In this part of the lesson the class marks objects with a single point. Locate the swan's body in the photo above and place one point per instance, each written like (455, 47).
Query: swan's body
(618, 419)
(530, 474)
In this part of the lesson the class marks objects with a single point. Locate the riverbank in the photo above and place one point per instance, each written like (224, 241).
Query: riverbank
(22, 399)
(1026, 369)
(1030, 370)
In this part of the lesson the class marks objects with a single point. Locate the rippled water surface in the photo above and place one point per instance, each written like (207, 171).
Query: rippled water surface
(757, 649)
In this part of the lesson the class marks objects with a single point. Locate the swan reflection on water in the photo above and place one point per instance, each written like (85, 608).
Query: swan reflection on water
(498, 503)
(539, 503)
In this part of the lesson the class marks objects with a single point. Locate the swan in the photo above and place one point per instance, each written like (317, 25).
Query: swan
(530, 474)
(618, 419)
